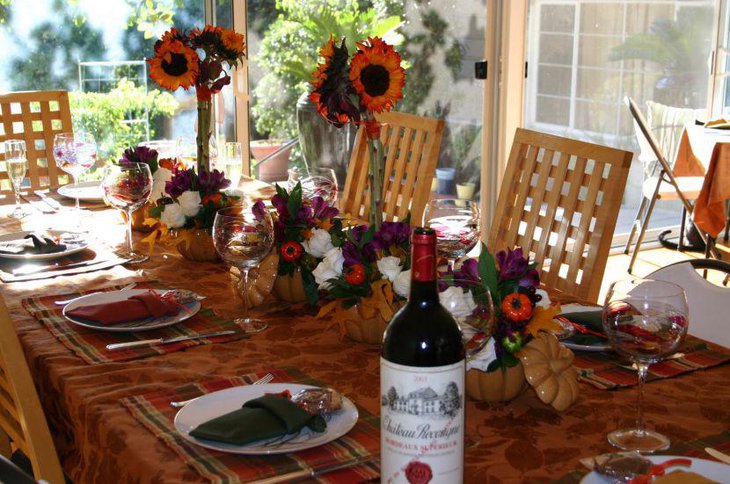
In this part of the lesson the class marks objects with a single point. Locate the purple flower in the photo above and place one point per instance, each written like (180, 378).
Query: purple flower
(513, 265)
(322, 210)
(180, 182)
(358, 231)
(259, 210)
(280, 205)
(392, 233)
(210, 182)
(469, 271)
(304, 216)
(351, 254)
(139, 154)
(531, 278)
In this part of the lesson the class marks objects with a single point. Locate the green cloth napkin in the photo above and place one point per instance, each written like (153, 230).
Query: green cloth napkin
(262, 418)
(591, 320)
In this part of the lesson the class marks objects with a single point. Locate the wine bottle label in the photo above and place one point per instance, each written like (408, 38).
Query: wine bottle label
(421, 423)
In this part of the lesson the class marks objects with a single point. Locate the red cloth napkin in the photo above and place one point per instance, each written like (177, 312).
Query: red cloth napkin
(137, 307)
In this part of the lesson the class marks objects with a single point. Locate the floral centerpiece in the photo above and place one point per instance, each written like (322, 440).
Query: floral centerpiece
(350, 90)
(197, 59)
(187, 210)
(512, 341)
(366, 278)
(305, 231)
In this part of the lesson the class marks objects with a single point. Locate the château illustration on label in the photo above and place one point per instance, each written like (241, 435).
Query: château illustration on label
(422, 372)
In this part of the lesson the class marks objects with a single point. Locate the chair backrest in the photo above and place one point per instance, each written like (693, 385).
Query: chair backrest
(559, 201)
(21, 415)
(709, 304)
(667, 124)
(666, 170)
(35, 117)
(411, 146)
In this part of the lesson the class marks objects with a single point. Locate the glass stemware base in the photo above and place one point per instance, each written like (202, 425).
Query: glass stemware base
(251, 325)
(134, 258)
(638, 440)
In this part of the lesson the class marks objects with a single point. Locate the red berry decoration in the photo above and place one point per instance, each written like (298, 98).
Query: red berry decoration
(291, 251)
(517, 307)
(355, 274)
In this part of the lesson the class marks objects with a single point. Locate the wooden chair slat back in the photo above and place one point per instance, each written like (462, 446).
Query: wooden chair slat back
(559, 201)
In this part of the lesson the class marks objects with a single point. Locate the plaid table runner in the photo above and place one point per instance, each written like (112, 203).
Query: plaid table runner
(607, 372)
(693, 448)
(153, 410)
(90, 344)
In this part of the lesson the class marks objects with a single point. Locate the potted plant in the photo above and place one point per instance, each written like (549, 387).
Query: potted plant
(272, 158)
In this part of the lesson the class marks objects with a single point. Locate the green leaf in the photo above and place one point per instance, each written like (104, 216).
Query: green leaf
(488, 271)
(295, 200)
(310, 288)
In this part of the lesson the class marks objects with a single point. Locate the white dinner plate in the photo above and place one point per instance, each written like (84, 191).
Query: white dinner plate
(86, 191)
(221, 402)
(706, 468)
(73, 245)
(191, 308)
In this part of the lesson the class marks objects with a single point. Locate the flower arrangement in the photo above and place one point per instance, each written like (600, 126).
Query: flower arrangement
(305, 231)
(197, 59)
(161, 169)
(350, 90)
(370, 269)
(520, 309)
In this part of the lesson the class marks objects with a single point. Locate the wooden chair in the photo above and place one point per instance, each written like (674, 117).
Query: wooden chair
(35, 117)
(21, 415)
(657, 184)
(559, 201)
(412, 146)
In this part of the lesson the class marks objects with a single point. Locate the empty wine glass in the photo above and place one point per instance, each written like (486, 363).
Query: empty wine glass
(320, 182)
(127, 187)
(456, 223)
(16, 164)
(75, 153)
(231, 162)
(243, 236)
(645, 321)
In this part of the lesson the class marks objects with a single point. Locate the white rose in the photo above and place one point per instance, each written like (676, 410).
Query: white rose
(389, 267)
(484, 358)
(161, 176)
(318, 244)
(329, 268)
(460, 304)
(402, 283)
(189, 203)
(173, 216)
(545, 301)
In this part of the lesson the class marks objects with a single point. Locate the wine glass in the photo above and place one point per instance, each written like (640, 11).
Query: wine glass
(16, 164)
(457, 227)
(320, 182)
(75, 153)
(645, 321)
(243, 236)
(128, 187)
(231, 162)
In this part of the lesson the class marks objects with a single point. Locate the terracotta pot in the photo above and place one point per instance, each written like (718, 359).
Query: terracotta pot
(495, 386)
(290, 288)
(200, 248)
(275, 168)
(138, 218)
(366, 330)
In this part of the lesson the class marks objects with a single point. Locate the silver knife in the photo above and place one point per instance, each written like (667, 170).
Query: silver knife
(48, 200)
(718, 455)
(314, 473)
(32, 269)
(164, 341)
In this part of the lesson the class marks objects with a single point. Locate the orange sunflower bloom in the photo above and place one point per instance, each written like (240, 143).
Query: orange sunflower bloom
(332, 91)
(233, 41)
(377, 75)
(174, 65)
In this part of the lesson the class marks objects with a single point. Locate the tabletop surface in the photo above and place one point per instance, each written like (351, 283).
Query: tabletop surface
(98, 440)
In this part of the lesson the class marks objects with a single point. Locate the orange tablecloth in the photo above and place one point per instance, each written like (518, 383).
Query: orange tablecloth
(98, 440)
(704, 152)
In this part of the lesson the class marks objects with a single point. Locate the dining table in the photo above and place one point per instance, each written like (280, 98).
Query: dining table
(110, 416)
(706, 152)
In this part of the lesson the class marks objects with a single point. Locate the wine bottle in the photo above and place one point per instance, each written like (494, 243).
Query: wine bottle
(422, 371)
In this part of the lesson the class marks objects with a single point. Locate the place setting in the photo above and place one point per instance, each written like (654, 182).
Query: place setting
(283, 421)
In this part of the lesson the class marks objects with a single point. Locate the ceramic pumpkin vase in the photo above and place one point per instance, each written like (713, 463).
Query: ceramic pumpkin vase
(367, 326)
(290, 287)
(197, 245)
(495, 386)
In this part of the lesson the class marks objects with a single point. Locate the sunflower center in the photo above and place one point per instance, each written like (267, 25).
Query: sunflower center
(177, 66)
(375, 79)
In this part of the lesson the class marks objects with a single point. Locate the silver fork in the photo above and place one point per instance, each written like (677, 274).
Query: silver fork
(69, 301)
(264, 379)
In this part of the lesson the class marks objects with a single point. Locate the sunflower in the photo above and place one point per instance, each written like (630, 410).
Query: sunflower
(332, 91)
(174, 65)
(377, 75)
(233, 41)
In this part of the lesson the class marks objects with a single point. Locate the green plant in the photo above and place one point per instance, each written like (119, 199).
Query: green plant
(107, 116)
(288, 53)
